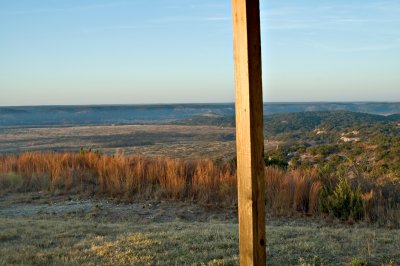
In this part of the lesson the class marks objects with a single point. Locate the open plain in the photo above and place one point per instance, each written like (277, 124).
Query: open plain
(174, 141)
(177, 141)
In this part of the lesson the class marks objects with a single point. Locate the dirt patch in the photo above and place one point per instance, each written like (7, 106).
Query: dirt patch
(41, 205)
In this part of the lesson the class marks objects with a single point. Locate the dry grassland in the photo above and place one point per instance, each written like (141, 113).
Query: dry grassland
(39, 230)
(175, 141)
(151, 140)
(136, 177)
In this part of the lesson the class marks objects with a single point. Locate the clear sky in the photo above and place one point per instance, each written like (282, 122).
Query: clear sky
(168, 51)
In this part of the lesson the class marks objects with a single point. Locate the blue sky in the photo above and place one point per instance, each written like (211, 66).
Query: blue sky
(167, 51)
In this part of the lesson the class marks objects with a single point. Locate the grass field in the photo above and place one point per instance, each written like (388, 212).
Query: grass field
(36, 229)
(175, 141)
(153, 140)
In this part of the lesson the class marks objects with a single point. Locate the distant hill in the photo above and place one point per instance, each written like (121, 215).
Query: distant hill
(304, 122)
(106, 114)
(361, 107)
(218, 114)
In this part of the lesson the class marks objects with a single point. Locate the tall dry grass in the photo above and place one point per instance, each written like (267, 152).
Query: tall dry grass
(137, 177)
(119, 175)
(203, 181)
(295, 190)
(382, 203)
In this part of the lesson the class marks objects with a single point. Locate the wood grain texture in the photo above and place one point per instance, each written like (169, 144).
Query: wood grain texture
(249, 131)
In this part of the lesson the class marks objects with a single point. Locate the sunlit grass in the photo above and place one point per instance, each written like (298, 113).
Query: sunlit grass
(137, 177)
(204, 181)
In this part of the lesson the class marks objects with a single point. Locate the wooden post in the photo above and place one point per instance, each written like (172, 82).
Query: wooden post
(249, 131)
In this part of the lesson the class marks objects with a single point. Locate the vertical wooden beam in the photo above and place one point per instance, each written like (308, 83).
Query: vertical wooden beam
(249, 131)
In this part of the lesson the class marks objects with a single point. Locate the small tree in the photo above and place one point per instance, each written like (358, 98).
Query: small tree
(343, 201)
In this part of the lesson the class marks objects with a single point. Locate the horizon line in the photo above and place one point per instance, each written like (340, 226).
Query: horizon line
(199, 103)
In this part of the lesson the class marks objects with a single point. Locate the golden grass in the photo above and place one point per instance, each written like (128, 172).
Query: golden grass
(137, 177)
(296, 190)
(204, 181)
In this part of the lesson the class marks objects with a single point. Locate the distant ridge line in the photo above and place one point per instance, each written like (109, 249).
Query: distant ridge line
(197, 103)
(165, 113)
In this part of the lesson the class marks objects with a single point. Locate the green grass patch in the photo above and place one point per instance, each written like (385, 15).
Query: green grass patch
(70, 241)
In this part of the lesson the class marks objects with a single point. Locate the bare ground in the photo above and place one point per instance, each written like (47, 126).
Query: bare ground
(43, 205)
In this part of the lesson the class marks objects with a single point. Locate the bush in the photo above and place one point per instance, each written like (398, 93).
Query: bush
(358, 262)
(271, 161)
(343, 201)
(11, 182)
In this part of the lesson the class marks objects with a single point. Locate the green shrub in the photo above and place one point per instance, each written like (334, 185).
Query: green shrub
(343, 201)
(358, 262)
(271, 161)
(11, 182)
